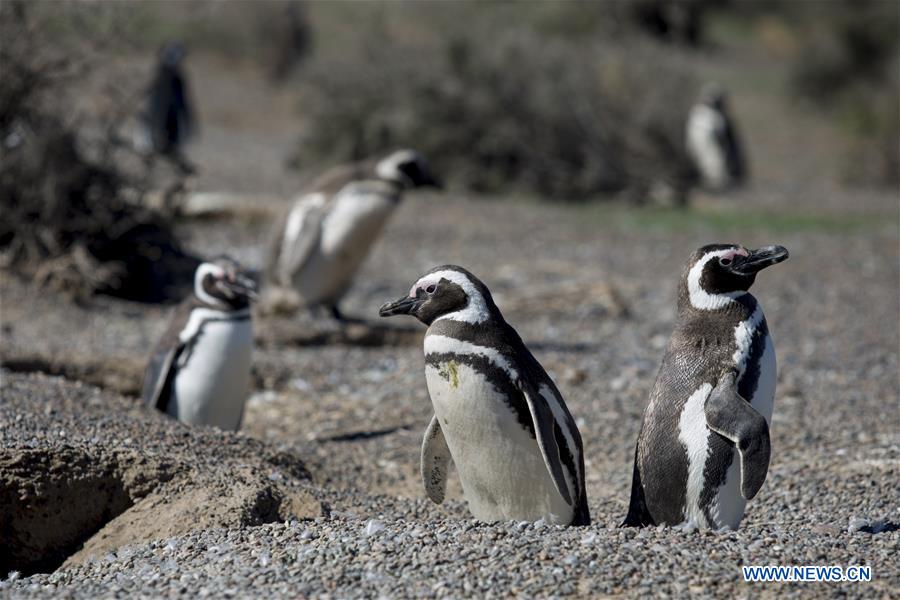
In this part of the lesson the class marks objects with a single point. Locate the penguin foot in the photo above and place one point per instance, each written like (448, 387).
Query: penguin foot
(336, 313)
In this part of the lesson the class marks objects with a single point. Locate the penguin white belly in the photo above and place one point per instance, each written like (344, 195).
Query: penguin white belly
(211, 386)
(500, 465)
(729, 506)
(694, 435)
(348, 233)
(703, 145)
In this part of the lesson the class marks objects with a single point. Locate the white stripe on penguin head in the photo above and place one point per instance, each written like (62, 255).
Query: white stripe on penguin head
(388, 168)
(202, 271)
(475, 311)
(700, 298)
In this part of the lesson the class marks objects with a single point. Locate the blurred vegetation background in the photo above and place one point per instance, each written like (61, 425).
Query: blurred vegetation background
(573, 100)
(566, 99)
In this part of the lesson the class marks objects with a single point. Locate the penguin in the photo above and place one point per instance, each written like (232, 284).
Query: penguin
(168, 118)
(497, 414)
(712, 141)
(703, 448)
(289, 41)
(320, 244)
(199, 372)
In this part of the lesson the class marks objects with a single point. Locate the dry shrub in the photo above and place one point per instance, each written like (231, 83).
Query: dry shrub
(72, 215)
(500, 106)
(847, 65)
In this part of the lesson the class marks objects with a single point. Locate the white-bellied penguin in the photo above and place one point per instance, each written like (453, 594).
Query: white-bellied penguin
(319, 245)
(497, 414)
(713, 142)
(199, 372)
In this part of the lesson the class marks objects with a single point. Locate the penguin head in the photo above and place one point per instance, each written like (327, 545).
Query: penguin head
(446, 292)
(172, 54)
(714, 95)
(408, 169)
(718, 273)
(222, 283)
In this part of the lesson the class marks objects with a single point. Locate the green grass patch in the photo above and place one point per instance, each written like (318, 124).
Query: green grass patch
(730, 220)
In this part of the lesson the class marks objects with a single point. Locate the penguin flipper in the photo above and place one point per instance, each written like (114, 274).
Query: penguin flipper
(435, 461)
(544, 422)
(166, 355)
(158, 376)
(638, 514)
(732, 417)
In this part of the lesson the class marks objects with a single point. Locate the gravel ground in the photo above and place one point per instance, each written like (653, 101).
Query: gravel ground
(355, 414)
(592, 293)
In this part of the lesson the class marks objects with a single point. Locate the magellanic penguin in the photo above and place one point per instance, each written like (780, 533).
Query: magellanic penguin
(168, 118)
(498, 415)
(199, 372)
(713, 143)
(321, 243)
(703, 449)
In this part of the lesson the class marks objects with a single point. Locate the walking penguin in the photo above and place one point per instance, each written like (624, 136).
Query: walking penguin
(319, 245)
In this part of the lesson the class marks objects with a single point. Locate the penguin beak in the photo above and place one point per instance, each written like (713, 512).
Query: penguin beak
(759, 259)
(403, 306)
(238, 284)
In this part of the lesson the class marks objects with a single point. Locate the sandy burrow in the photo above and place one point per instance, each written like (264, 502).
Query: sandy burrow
(83, 472)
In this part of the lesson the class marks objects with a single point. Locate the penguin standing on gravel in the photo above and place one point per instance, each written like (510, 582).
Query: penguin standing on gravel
(498, 415)
(703, 448)
(320, 244)
(713, 143)
(199, 372)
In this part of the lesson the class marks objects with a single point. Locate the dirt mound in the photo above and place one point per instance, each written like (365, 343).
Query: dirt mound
(122, 375)
(96, 472)
(51, 502)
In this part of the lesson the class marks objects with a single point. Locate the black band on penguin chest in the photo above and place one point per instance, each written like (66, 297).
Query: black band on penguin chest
(493, 375)
(498, 336)
(189, 346)
(492, 336)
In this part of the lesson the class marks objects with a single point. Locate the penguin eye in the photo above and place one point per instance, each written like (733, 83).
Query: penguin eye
(724, 261)
(430, 289)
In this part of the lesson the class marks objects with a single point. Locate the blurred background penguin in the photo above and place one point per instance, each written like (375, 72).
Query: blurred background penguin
(168, 119)
(713, 142)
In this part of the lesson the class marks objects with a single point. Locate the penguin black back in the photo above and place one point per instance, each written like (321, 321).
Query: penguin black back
(170, 115)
